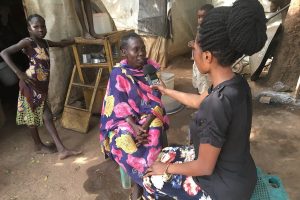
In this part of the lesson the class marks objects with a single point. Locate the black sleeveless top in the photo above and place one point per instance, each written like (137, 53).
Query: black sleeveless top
(224, 121)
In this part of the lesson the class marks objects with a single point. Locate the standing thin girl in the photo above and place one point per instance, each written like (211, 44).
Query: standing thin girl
(33, 109)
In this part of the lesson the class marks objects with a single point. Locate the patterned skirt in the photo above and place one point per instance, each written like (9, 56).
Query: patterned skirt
(176, 186)
(26, 116)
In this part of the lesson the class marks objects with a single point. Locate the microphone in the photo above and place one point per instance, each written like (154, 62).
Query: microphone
(150, 74)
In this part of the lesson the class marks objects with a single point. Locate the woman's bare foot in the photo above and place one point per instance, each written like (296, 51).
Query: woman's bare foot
(97, 36)
(136, 192)
(67, 153)
(88, 36)
(45, 148)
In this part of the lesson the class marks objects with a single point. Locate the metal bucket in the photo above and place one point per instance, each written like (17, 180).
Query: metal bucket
(7, 76)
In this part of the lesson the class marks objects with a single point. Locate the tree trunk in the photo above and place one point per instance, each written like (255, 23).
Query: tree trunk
(286, 64)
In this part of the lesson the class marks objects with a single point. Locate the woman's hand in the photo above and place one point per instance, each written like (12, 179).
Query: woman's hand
(141, 135)
(23, 76)
(158, 168)
(161, 87)
(191, 43)
(67, 42)
(141, 132)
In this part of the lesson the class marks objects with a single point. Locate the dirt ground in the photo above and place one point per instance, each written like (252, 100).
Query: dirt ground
(25, 175)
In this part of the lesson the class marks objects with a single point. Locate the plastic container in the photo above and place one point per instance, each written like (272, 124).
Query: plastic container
(7, 76)
(125, 179)
(102, 23)
(171, 105)
(86, 58)
(168, 79)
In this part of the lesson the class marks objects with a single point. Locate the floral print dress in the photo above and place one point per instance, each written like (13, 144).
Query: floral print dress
(129, 94)
(176, 186)
(31, 100)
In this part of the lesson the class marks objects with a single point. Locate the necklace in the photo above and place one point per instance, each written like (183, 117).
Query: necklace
(46, 48)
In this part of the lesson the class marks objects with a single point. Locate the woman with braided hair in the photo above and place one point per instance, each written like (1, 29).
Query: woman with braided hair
(219, 164)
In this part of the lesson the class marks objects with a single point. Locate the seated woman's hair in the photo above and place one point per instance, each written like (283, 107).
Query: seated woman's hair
(230, 32)
(125, 38)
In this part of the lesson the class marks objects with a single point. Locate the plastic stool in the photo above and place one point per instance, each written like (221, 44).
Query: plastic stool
(268, 187)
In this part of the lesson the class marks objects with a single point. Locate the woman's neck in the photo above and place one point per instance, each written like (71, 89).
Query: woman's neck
(219, 74)
(39, 41)
(36, 38)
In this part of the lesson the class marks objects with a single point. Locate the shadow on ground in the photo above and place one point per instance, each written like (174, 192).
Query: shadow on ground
(104, 180)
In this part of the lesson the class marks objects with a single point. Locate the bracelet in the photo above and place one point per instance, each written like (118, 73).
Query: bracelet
(167, 176)
(165, 172)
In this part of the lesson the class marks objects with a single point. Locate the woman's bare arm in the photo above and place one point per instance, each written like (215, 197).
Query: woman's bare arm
(6, 55)
(62, 43)
(188, 99)
(203, 166)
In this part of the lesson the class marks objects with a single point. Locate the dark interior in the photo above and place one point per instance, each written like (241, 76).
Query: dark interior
(13, 28)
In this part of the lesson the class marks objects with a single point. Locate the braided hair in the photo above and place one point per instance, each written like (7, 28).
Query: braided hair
(230, 32)
(206, 7)
(30, 17)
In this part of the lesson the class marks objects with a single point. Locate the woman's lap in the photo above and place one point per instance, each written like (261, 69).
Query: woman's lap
(176, 186)
(135, 160)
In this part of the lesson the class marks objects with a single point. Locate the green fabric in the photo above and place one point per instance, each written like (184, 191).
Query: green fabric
(26, 116)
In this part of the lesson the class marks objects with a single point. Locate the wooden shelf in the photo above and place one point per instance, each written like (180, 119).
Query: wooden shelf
(86, 65)
(93, 90)
(84, 41)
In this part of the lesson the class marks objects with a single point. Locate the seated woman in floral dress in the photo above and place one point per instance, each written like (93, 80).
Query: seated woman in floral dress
(132, 118)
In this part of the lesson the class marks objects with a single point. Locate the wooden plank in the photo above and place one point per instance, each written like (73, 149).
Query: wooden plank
(80, 40)
(109, 58)
(98, 65)
(95, 89)
(76, 120)
(99, 100)
(83, 85)
(70, 85)
(77, 61)
(76, 108)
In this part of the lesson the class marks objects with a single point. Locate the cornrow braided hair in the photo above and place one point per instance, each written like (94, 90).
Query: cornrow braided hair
(206, 7)
(30, 17)
(230, 32)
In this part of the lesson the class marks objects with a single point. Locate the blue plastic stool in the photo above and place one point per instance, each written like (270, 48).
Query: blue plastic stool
(268, 187)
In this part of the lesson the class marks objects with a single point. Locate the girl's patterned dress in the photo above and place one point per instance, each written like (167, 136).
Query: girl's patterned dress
(31, 100)
(129, 94)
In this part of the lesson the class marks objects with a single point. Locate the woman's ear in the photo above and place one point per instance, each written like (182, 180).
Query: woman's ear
(123, 52)
(29, 29)
(207, 56)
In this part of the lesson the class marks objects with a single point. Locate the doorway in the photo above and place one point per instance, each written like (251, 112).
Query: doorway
(13, 28)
